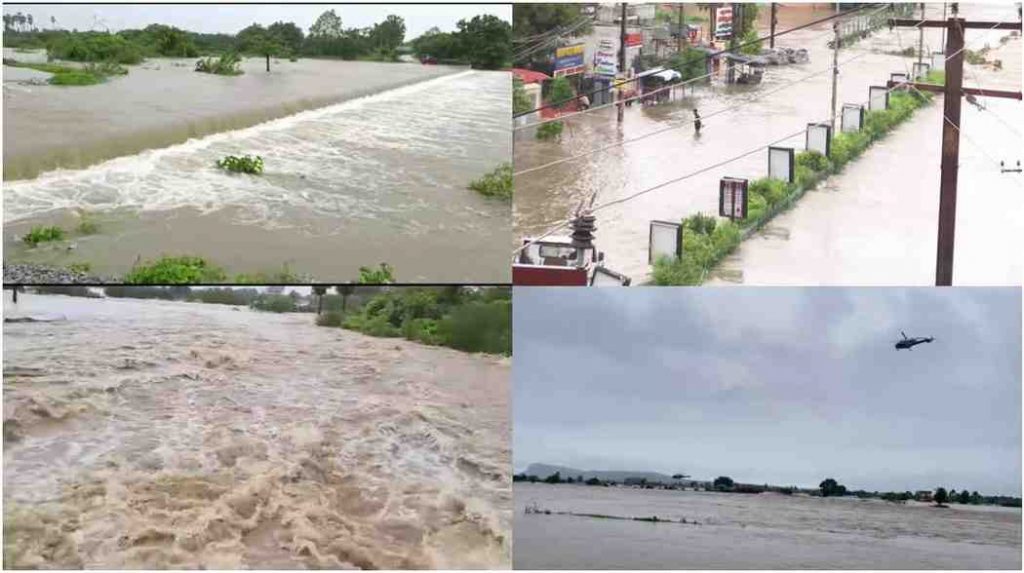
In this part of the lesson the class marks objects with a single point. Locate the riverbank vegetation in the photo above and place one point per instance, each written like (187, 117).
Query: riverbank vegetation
(250, 164)
(64, 75)
(465, 318)
(482, 41)
(175, 270)
(43, 235)
(226, 65)
(705, 245)
(497, 183)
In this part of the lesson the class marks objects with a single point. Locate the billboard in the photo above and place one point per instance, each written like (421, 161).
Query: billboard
(732, 198)
(634, 39)
(569, 60)
(723, 23)
(606, 59)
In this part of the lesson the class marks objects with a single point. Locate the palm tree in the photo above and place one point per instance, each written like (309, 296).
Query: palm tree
(319, 291)
(344, 291)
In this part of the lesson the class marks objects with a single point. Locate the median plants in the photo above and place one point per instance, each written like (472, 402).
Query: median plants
(551, 130)
(706, 242)
(497, 183)
(43, 235)
(175, 270)
(226, 65)
(252, 165)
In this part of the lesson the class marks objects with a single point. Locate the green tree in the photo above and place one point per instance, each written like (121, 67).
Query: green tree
(486, 41)
(940, 496)
(388, 35)
(255, 39)
(520, 101)
(554, 478)
(169, 41)
(326, 27)
(964, 497)
(723, 483)
(287, 35)
(560, 91)
(829, 487)
(437, 44)
(345, 291)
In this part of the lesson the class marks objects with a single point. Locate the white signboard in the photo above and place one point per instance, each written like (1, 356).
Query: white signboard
(819, 138)
(780, 163)
(878, 98)
(666, 240)
(606, 59)
(853, 117)
(921, 70)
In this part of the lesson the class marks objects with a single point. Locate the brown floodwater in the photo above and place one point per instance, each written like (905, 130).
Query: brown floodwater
(902, 169)
(135, 440)
(764, 531)
(364, 163)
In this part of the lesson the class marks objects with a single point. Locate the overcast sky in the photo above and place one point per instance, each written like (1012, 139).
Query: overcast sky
(784, 386)
(230, 18)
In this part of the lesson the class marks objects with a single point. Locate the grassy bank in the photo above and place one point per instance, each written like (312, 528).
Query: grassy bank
(707, 240)
(468, 319)
(63, 75)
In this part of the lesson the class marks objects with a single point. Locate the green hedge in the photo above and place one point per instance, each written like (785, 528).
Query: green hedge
(706, 245)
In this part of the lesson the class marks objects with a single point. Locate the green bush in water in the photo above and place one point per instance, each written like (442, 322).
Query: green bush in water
(384, 274)
(43, 235)
(93, 47)
(550, 130)
(252, 165)
(479, 327)
(497, 183)
(226, 65)
(330, 318)
(175, 270)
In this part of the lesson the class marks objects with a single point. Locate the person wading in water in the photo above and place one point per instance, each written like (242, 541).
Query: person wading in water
(696, 122)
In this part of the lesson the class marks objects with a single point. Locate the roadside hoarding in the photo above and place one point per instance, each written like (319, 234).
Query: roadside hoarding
(634, 39)
(606, 59)
(819, 138)
(853, 118)
(723, 23)
(878, 98)
(666, 240)
(780, 163)
(732, 198)
(569, 60)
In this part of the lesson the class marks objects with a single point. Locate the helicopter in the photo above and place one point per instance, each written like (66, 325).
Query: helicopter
(910, 343)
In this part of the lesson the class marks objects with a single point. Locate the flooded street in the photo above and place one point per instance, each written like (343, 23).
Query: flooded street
(738, 119)
(379, 177)
(135, 440)
(766, 531)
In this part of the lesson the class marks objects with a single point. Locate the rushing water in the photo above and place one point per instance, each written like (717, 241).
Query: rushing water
(754, 116)
(135, 440)
(382, 177)
(766, 531)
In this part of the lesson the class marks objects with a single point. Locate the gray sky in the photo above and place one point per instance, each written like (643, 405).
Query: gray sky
(785, 386)
(232, 18)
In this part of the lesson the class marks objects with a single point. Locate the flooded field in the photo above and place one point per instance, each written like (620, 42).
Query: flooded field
(134, 440)
(380, 176)
(903, 169)
(766, 531)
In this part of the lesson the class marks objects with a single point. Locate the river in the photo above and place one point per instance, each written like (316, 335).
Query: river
(741, 118)
(135, 440)
(364, 163)
(765, 531)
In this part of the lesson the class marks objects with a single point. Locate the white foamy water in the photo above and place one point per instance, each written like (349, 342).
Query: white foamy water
(135, 439)
(765, 531)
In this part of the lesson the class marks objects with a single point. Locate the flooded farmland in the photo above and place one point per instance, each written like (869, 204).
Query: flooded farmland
(766, 531)
(364, 163)
(134, 440)
(879, 206)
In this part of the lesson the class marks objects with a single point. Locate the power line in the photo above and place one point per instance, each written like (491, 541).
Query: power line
(706, 56)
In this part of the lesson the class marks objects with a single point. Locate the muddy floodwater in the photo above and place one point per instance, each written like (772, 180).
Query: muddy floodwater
(364, 163)
(873, 224)
(766, 531)
(134, 440)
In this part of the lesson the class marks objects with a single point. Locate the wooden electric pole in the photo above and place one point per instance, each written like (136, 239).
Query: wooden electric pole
(774, 21)
(920, 41)
(953, 92)
(682, 20)
(835, 74)
(622, 63)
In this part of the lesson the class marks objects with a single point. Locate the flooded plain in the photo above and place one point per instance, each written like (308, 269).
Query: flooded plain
(765, 531)
(364, 163)
(133, 440)
(738, 119)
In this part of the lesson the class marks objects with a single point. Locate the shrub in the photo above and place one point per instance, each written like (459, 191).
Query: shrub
(384, 274)
(175, 270)
(550, 130)
(497, 183)
(770, 191)
(701, 223)
(226, 65)
(330, 318)
(245, 164)
(93, 47)
(274, 303)
(43, 235)
(479, 327)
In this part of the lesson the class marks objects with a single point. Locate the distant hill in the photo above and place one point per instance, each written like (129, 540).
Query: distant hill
(544, 470)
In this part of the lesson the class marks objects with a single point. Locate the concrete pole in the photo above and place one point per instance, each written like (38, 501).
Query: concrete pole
(835, 74)
(950, 152)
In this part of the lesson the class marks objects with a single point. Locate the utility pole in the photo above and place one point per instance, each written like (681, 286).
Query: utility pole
(920, 41)
(622, 63)
(730, 70)
(835, 73)
(682, 20)
(774, 21)
(953, 91)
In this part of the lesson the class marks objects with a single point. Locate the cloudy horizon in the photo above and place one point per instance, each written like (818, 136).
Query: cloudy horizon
(779, 386)
(232, 18)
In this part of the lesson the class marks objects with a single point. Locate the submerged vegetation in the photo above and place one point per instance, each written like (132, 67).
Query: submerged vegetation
(465, 318)
(175, 270)
(43, 235)
(64, 75)
(551, 130)
(252, 165)
(497, 183)
(226, 65)
(382, 275)
(704, 246)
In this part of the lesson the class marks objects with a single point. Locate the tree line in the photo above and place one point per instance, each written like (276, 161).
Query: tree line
(482, 41)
